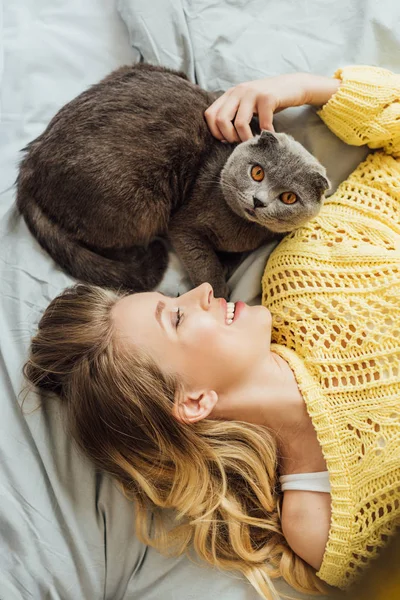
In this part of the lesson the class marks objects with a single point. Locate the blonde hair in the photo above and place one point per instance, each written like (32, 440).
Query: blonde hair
(218, 476)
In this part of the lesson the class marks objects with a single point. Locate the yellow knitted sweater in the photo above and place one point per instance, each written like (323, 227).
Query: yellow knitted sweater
(333, 288)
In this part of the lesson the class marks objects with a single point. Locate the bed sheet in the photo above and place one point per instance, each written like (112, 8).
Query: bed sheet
(66, 531)
(219, 44)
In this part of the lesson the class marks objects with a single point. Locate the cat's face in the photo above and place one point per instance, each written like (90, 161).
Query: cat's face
(274, 181)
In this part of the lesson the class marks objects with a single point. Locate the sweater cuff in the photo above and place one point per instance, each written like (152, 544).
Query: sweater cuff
(353, 111)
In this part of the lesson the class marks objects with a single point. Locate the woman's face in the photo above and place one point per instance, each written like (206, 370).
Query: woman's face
(194, 336)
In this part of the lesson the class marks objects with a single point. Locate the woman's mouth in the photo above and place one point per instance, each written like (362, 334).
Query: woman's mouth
(233, 311)
(230, 312)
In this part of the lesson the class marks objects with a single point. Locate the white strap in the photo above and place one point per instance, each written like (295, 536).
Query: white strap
(307, 482)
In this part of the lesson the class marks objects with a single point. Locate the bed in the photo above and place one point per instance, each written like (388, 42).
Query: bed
(67, 533)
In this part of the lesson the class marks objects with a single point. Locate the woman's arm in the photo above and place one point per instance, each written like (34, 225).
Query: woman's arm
(306, 518)
(361, 105)
(366, 108)
(229, 116)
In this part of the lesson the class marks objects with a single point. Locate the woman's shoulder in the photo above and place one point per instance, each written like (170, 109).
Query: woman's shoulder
(306, 518)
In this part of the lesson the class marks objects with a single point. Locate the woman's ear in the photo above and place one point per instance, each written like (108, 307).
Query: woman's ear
(194, 406)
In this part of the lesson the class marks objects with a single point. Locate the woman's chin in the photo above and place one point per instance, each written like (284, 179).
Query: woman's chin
(264, 317)
(267, 317)
(266, 313)
(257, 316)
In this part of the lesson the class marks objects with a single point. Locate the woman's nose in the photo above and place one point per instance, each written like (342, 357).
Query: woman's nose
(205, 294)
(200, 297)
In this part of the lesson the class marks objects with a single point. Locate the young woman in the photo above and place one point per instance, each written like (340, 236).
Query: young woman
(273, 431)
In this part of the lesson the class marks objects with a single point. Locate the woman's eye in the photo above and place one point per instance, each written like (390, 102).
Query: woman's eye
(178, 318)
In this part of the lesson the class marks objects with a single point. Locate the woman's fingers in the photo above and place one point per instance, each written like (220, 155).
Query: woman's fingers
(225, 116)
(228, 118)
(244, 115)
(266, 106)
(211, 113)
(219, 117)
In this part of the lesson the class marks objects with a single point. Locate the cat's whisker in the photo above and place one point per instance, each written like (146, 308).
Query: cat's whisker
(217, 180)
(226, 185)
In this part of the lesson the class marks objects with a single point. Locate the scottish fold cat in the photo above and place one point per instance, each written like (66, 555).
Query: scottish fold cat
(129, 168)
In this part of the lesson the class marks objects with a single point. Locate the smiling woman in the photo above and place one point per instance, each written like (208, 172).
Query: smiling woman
(194, 335)
(282, 458)
(179, 401)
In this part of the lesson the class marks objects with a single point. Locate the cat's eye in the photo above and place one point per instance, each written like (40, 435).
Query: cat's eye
(288, 197)
(257, 173)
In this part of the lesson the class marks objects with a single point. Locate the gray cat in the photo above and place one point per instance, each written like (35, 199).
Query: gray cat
(129, 167)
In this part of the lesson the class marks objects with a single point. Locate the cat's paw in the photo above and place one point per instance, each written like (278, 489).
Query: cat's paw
(222, 291)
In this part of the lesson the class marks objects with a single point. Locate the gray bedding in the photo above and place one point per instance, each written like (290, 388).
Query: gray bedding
(66, 532)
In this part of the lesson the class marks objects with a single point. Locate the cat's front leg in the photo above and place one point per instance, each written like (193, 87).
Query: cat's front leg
(199, 258)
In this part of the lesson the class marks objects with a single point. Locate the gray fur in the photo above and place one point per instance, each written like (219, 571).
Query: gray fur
(288, 166)
(129, 167)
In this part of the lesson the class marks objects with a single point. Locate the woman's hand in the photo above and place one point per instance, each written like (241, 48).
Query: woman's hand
(229, 116)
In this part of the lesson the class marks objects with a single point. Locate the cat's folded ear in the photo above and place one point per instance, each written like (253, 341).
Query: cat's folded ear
(321, 182)
(267, 140)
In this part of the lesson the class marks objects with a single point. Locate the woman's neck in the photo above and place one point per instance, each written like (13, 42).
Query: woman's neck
(271, 398)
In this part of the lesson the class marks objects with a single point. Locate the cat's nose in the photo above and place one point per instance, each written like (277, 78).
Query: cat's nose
(257, 203)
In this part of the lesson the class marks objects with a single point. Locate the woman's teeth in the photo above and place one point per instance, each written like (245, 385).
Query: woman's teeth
(230, 311)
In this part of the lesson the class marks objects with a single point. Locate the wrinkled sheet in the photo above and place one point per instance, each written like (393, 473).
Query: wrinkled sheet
(219, 44)
(66, 532)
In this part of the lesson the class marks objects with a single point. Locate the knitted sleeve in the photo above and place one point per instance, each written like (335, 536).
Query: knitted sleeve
(366, 108)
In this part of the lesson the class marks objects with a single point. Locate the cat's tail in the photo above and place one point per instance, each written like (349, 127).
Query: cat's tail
(136, 269)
